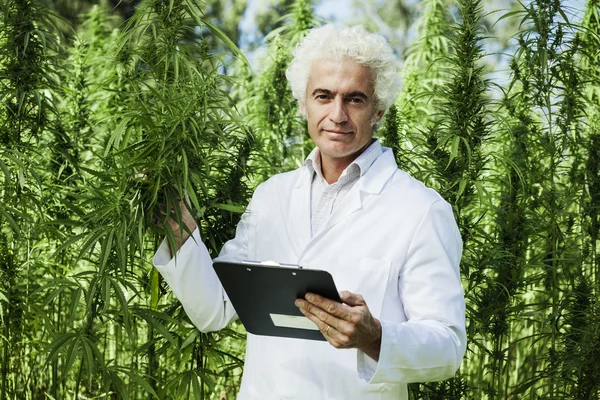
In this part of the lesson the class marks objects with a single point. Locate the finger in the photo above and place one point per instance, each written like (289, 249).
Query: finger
(336, 338)
(309, 308)
(323, 315)
(340, 329)
(331, 332)
(352, 299)
(322, 325)
(329, 306)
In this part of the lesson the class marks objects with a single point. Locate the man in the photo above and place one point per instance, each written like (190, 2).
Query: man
(389, 242)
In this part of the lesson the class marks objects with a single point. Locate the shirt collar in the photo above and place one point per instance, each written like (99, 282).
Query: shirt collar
(356, 169)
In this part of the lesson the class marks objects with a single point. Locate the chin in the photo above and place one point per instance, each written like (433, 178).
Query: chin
(338, 152)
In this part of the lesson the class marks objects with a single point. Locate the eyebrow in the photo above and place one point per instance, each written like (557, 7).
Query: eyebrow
(351, 94)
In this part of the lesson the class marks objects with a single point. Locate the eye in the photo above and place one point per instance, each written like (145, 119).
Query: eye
(355, 100)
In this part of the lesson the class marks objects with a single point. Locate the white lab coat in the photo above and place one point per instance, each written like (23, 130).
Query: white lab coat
(391, 239)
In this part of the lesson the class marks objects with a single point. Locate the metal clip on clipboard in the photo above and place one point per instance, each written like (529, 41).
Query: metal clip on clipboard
(270, 263)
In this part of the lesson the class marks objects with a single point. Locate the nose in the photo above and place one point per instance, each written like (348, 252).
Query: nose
(338, 113)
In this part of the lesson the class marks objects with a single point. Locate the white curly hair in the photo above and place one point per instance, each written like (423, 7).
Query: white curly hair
(354, 43)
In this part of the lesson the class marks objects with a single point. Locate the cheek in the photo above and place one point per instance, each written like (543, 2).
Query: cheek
(315, 118)
(368, 119)
(313, 126)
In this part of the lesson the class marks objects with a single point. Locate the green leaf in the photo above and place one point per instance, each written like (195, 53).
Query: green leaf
(71, 354)
(154, 287)
(69, 242)
(190, 339)
(117, 135)
(196, 385)
(74, 305)
(156, 324)
(5, 171)
(562, 13)
(57, 345)
(88, 355)
(230, 207)
(13, 224)
(123, 303)
(509, 15)
(216, 32)
(106, 249)
(185, 168)
(133, 375)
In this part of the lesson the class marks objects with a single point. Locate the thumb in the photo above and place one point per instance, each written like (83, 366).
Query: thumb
(352, 299)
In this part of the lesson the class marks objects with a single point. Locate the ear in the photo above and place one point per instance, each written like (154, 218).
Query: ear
(379, 115)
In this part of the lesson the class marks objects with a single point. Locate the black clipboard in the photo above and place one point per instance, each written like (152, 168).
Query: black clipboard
(263, 296)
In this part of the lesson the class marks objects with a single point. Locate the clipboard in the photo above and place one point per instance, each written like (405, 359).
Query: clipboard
(263, 296)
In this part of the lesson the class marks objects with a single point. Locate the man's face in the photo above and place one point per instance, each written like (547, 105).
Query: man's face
(340, 107)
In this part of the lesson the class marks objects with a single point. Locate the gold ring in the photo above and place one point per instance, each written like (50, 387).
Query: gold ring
(327, 329)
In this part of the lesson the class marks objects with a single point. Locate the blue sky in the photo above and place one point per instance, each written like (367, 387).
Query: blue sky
(333, 10)
(338, 11)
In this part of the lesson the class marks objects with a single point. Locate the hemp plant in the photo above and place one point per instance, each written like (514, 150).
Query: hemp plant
(28, 54)
(538, 222)
(579, 372)
(171, 136)
(544, 57)
(266, 100)
(423, 72)
(457, 130)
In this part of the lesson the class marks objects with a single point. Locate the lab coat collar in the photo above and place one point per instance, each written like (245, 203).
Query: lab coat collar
(386, 163)
(380, 172)
(297, 216)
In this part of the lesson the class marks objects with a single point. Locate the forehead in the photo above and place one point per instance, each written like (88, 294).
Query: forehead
(340, 76)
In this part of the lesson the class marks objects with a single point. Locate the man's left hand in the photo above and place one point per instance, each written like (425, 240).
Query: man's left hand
(348, 325)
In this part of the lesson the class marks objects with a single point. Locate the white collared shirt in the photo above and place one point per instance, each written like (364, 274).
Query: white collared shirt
(326, 197)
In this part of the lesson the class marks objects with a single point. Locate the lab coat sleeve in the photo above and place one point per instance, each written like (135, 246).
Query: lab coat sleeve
(193, 280)
(430, 345)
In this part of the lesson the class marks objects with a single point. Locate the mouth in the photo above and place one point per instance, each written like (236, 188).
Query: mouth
(337, 132)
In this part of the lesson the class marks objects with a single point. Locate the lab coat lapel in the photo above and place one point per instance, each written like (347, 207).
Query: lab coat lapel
(295, 211)
(371, 183)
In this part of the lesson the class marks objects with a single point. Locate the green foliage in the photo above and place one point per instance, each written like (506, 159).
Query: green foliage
(423, 73)
(101, 130)
(519, 172)
(147, 99)
(267, 102)
(455, 132)
(29, 48)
